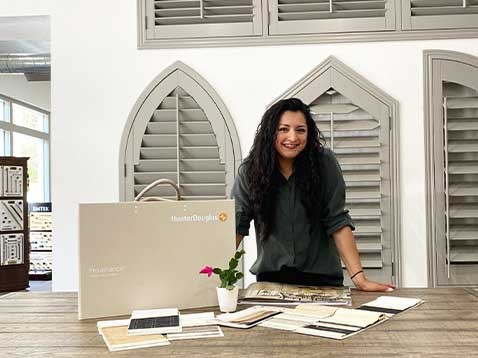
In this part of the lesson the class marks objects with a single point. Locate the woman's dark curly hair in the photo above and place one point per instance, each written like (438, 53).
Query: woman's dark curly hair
(262, 171)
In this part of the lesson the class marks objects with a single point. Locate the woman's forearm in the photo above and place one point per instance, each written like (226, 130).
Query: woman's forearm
(345, 242)
(347, 248)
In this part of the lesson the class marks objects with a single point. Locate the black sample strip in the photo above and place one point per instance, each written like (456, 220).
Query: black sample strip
(262, 318)
(154, 322)
(379, 309)
(329, 329)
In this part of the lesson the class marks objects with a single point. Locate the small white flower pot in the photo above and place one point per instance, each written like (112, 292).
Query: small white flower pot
(227, 299)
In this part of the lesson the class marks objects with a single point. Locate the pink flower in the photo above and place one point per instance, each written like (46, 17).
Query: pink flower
(208, 270)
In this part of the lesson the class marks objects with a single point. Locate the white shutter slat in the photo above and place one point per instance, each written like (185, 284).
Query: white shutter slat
(159, 140)
(215, 177)
(357, 142)
(355, 125)
(158, 152)
(464, 254)
(357, 159)
(198, 127)
(161, 128)
(463, 167)
(462, 102)
(463, 211)
(169, 115)
(194, 139)
(363, 177)
(340, 9)
(462, 125)
(462, 146)
(339, 14)
(201, 164)
(198, 152)
(464, 233)
(368, 231)
(351, 132)
(152, 165)
(149, 177)
(463, 189)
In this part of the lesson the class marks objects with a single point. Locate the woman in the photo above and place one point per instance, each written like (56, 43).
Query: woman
(293, 189)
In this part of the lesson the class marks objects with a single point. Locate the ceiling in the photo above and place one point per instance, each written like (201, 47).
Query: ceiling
(25, 35)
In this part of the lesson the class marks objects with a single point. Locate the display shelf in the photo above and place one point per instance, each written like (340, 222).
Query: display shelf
(41, 241)
(14, 234)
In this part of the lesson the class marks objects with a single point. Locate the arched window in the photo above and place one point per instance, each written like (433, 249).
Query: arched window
(451, 135)
(181, 130)
(360, 124)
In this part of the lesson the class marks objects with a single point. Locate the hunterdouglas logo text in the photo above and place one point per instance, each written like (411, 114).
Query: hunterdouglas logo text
(197, 218)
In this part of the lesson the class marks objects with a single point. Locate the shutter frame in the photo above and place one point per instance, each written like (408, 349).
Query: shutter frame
(175, 27)
(143, 114)
(449, 74)
(338, 24)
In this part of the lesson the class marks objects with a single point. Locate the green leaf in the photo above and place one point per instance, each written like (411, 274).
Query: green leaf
(238, 254)
(239, 275)
(217, 271)
(233, 264)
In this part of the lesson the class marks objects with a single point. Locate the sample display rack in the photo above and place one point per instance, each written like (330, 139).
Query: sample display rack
(41, 241)
(14, 242)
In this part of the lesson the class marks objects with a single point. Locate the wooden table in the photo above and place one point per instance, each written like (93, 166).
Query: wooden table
(446, 325)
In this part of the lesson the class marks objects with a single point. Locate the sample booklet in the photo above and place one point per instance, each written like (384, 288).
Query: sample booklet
(343, 323)
(247, 318)
(347, 322)
(390, 305)
(272, 293)
(115, 335)
(298, 317)
(166, 320)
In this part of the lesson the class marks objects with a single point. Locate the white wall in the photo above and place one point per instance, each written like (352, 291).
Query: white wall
(98, 73)
(34, 93)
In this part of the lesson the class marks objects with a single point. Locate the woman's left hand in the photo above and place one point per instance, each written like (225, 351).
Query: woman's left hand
(363, 284)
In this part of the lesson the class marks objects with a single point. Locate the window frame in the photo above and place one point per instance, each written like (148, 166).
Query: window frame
(10, 128)
(433, 108)
(401, 33)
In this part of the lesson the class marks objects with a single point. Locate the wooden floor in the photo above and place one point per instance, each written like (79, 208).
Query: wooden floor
(45, 324)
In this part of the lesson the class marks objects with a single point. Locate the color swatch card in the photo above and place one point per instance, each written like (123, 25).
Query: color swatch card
(247, 318)
(160, 321)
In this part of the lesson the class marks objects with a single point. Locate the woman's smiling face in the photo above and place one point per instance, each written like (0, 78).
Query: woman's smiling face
(291, 135)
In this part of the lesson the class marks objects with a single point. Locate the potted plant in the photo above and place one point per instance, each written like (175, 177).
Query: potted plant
(227, 291)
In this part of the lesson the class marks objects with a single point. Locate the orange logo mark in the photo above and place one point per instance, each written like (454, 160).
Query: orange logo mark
(223, 217)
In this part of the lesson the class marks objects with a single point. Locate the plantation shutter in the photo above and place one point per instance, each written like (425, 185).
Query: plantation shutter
(330, 16)
(179, 129)
(179, 144)
(361, 144)
(356, 119)
(166, 19)
(439, 14)
(456, 174)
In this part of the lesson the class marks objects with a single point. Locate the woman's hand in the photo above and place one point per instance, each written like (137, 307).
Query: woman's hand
(363, 284)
